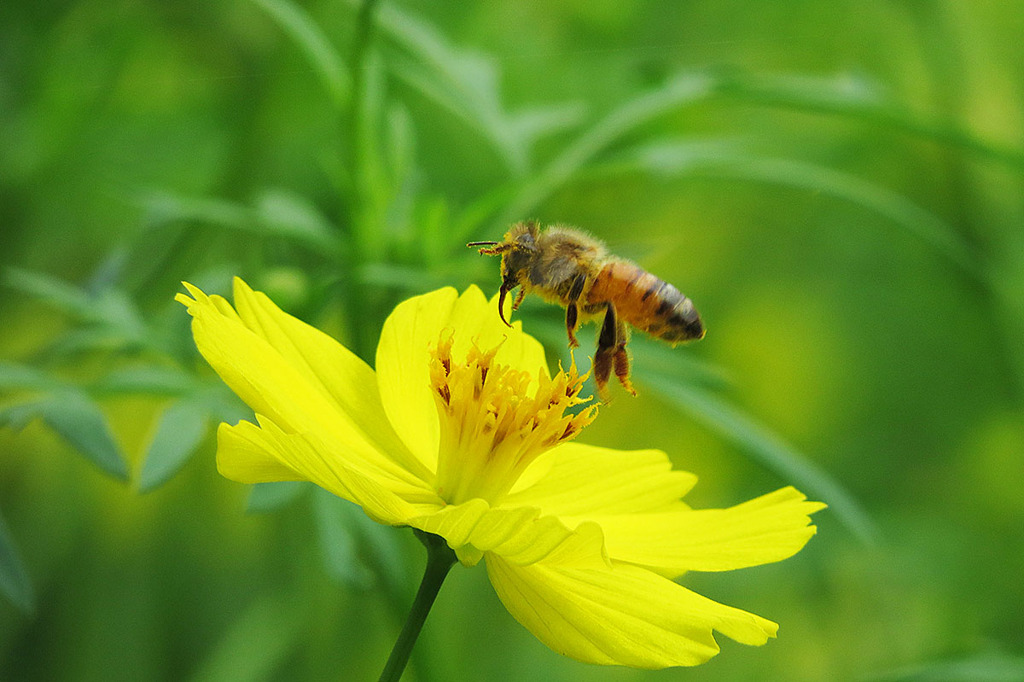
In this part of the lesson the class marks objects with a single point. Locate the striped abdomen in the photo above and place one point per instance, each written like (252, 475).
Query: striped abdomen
(650, 304)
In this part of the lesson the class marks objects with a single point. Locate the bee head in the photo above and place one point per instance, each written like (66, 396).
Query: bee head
(517, 251)
(521, 246)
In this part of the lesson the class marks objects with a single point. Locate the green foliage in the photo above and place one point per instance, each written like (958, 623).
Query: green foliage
(14, 581)
(842, 202)
(179, 432)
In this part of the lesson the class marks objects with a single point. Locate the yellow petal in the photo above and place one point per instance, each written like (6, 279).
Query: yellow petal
(403, 357)
(766, 529)
(242, 457)
(248, 454)
(270, 366)
(519, 535)
(583, 480)
(328, 366)
(619, 615)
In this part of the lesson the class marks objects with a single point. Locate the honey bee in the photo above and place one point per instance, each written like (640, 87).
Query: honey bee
(568, 267)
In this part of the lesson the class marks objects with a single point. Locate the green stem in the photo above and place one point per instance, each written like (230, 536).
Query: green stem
(440, 559)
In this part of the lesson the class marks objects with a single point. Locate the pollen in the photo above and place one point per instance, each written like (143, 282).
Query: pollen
(495, 420)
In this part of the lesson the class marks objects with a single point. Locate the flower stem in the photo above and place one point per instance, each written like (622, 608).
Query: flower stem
(440, 559)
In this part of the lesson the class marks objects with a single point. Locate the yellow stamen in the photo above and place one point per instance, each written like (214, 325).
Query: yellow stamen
(492, 427)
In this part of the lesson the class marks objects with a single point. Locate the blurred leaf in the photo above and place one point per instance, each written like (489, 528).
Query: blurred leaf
(289, 215)
(675, 94)
(859, 97)
(78, 420)
(147, 379)
(64, 347)
(257, 645)
(401, 277)
(327, 62)
(59, 294)
(179, 432)
(466, 84)
(20, 377)
(981, 668)
(433, 238)
(382, 548)
(18, 415)
(400, 145)
(269, 497)
(339, 540)
(278, 214)
(675, 158)
(903, 212)
(14, 581)
(537, 122)
(468, 222)
(765, 447)
(110, 308)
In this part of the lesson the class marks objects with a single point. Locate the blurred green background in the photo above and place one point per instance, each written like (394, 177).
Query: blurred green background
(837, 185)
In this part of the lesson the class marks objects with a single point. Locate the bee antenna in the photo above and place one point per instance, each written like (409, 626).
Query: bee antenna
(472, 244)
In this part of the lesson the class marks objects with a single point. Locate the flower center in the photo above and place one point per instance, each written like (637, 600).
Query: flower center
(492, 425)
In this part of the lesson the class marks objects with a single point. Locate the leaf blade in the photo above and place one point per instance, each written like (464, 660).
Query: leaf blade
(766, 448)
(15, 583)
(180, 430)
(81, 423)
(314, 44)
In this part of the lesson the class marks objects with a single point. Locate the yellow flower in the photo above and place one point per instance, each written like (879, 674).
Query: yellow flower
(462, 432)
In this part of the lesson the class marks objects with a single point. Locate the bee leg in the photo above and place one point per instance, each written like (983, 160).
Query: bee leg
(571, 311)
(604, 358)
(519, 299)
(571, 316)
(621, 360)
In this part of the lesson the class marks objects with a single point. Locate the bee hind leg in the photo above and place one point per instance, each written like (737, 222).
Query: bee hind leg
(571, 316)
(604, 358)
(621, 358)
(572, 311)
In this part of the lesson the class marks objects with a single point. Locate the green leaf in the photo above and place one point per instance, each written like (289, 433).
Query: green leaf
(293, 217)
(80, 340)
(79, 421)
(926, 226)
(401, 277)
(57, 293)
(862, 98)
(165, 207)
(147, 379)
(466, 84)
(18, 415)
(339, 540)
(537, 122)
(328, 64)
(21, 377)
(765, 447)
(400, 144)
(111, 309)
(14, 581)
(981, 668)
(677, 93)
(469, 223)
(257, 645)
(717, 162)
(269, 497)
(277, 214)
(179, 432)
